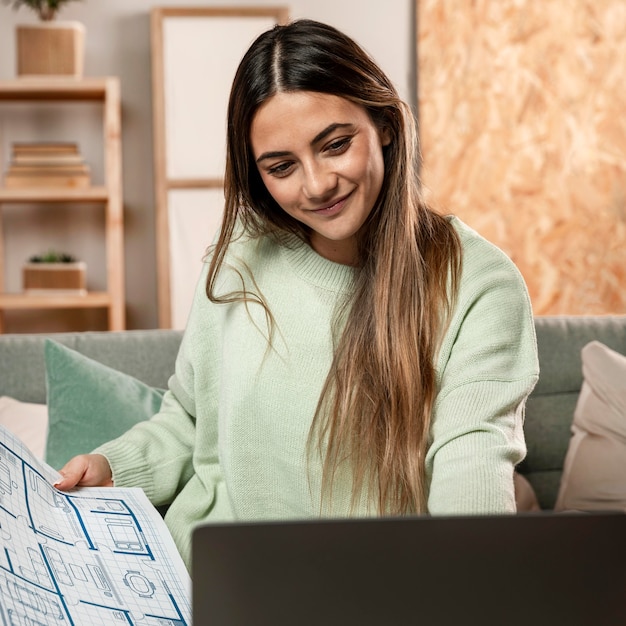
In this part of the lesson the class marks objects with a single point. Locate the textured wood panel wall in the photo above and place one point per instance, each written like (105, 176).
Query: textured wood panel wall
(522, 107)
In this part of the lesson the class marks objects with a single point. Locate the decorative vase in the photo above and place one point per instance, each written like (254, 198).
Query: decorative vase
(50, 49)
(55, 278)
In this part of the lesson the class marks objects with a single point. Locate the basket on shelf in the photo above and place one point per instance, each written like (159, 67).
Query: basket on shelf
(54, 274)
(48, 47)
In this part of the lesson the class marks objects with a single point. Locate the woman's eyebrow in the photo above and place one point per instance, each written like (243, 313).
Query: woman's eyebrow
(272, 155)
(319, 137)
(328, 130)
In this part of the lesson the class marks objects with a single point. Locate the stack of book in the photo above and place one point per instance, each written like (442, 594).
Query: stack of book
(50, 164)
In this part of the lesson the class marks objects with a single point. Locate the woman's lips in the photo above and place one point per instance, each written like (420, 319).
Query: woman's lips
(332, 209)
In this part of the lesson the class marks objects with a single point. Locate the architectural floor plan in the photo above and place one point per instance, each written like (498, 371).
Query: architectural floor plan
(88, 557)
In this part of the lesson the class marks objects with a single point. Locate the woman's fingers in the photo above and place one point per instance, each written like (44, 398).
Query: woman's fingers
(85, 470)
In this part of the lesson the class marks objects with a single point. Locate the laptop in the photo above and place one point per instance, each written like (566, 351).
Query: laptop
(528, 569)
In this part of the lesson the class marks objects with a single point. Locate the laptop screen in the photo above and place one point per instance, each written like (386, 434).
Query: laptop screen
(531, 569)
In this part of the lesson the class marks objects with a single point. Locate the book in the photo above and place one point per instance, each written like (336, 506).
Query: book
(52, 169)
(56, 147)
(49, 160)
(42, 146)
(47, 164)
(77, 179)
(93, 555)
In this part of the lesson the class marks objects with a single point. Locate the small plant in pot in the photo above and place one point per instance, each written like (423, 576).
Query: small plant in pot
(49, 47)
(46, 9)
(54, 273)
(52, 256)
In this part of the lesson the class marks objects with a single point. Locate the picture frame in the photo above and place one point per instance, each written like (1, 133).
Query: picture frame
(195, 53)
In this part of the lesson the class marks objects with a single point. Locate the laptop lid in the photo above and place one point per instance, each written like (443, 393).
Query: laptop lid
(527, 569)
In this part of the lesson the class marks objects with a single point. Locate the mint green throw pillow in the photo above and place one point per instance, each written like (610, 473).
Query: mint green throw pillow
(90, 403)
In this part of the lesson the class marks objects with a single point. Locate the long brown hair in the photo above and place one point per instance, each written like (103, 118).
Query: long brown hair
(375, 408)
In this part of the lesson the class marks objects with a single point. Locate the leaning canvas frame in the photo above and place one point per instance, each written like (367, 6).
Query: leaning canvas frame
(195, 52)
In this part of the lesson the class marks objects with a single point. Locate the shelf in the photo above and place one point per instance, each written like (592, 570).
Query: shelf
(61, 90)
(53, 194)
(92, 300)
(40, 88)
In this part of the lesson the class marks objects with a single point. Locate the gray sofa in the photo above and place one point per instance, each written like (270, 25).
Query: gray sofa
(150, 354)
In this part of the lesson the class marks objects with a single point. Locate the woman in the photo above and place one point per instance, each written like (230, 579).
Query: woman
(349, 351)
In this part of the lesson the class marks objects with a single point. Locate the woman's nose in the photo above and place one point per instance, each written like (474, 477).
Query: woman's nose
(318, 182)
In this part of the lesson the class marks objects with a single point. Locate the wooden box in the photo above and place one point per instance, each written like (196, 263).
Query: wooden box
(55, 278)
(50, 49)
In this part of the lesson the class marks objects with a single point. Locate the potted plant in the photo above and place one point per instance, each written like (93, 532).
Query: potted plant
(49, 47)
(53, 273)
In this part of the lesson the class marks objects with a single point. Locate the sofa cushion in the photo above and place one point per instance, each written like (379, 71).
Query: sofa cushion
(90, 403)
(594, 472)
(551, 405)
(28, 421)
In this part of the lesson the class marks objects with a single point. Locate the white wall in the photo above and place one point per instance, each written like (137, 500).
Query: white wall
(118, 43)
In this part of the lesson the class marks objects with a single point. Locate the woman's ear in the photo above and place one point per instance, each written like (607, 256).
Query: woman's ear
(385, 136)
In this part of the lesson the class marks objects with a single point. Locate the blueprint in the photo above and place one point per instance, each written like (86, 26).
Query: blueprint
(92, 556)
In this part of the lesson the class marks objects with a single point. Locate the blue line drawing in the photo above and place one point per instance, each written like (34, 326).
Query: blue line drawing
(92, 556)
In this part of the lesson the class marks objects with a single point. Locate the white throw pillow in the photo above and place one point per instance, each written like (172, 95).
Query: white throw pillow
(594, 472)
(27, 421)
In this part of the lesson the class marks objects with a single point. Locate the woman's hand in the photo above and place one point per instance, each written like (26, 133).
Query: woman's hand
(85, 470)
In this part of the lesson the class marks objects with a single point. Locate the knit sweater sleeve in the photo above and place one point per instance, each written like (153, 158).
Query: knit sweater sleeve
(157, 455)
(487, 367)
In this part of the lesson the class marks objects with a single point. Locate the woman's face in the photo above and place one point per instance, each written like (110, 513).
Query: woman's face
(320, 157)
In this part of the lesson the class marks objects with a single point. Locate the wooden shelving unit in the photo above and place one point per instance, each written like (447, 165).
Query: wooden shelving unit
(107, 91)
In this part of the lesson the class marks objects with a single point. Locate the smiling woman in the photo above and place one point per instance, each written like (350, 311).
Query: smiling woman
(349, 350)
(321, 159)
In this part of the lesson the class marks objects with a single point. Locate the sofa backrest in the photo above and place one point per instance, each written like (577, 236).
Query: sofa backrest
(148, 355)
(550, 408)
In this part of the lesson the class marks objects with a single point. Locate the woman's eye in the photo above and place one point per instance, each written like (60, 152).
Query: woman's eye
(339, 146)
(282, 169)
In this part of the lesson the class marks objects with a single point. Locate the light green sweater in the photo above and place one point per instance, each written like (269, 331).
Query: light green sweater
(230, 440)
